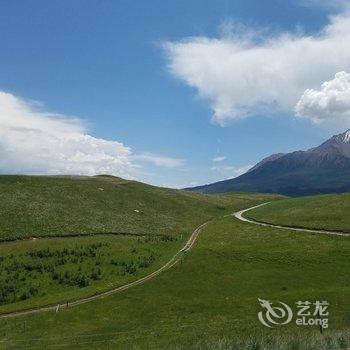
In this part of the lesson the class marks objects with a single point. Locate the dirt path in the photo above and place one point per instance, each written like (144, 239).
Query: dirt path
(174, 260)
(56, 307)
(239, 216)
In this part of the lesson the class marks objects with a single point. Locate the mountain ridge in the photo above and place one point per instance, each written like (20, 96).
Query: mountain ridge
(322, 169)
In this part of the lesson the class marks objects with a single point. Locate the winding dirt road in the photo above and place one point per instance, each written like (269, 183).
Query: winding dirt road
(174, 260)
(239, 216)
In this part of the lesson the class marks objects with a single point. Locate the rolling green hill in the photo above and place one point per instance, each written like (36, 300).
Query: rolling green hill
(96, 233)
(59, 206)
(208, 300)
(326, 212)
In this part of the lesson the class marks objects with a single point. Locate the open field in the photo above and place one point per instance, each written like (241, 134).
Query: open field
(327, 212)
(213, 294)
(209, 300)
(60, 206)
(75, 260)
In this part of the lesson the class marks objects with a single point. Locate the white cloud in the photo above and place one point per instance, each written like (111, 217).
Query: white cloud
(245, 74)
(218, 159)
(34, 141)
(160, 161)
(228, 171)
(331, 102)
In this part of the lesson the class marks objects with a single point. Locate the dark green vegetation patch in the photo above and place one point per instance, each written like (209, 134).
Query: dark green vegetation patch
(41, 271)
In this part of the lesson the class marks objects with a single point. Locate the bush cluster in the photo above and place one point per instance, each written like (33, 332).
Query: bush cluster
(130, 267)
(26, 275)
(11, 291)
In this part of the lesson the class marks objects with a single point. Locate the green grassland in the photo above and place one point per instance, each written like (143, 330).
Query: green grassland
(60, 206)
(327, 212)
(66, 238)
(210, 298)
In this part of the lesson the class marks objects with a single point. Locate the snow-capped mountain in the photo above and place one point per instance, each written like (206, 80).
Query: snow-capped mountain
(344, 138)
(336, 144)
(323, 169)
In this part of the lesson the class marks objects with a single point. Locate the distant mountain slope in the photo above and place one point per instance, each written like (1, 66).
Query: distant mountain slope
(323, 169)
(267, 159)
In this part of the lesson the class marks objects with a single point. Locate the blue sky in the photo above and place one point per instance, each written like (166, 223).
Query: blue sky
(108, 63)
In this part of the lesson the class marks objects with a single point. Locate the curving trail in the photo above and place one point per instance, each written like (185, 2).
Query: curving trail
(174, 260)
(239, 216)
(55, 307)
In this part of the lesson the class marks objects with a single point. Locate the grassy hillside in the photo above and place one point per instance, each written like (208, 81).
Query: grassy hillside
(146, 226)
(208, 300)
(328, 212)
(54, 206)
(211, 298)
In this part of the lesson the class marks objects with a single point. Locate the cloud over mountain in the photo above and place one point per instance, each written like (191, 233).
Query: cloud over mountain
(331, 102)
(244, 73)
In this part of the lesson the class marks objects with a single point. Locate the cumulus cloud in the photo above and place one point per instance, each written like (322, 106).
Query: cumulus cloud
(331, 102)
(34, 141)
(158, 160)
(242, 74)
(218, 159)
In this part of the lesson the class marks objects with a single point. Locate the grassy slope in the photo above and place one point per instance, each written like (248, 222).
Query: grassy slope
(328, 212)
(39, 206)
(212, 293)
(56, 206)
